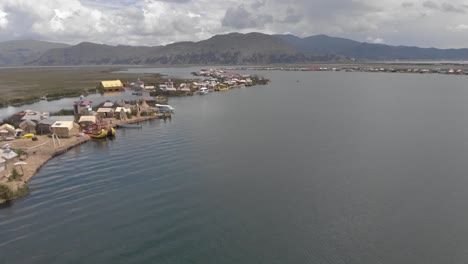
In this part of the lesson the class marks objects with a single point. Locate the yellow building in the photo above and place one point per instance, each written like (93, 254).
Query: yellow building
(109, 86)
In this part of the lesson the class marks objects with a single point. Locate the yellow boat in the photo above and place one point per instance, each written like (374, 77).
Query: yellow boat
(28, 136)
(104, 133)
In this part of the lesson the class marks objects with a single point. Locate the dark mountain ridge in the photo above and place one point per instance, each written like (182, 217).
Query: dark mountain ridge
(227, 49)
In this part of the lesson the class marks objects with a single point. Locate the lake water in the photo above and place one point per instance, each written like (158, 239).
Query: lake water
(316, 167)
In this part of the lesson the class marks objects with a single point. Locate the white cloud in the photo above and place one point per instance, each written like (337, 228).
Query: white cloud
(458, 28)
(375, 40)
(3, 19)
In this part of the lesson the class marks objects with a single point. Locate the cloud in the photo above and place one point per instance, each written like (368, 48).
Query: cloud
(238, 18)
(3, 19)
(156, 22)
(292, 16)
(430, 5)
(375, 40)
(407, 4)
(447, 7)
(459, 28)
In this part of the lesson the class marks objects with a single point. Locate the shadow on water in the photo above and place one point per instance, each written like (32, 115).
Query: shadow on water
(7, 204)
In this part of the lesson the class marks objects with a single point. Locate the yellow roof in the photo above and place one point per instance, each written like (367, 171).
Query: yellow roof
(111, 84)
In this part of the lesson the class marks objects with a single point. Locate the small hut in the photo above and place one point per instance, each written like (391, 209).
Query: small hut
(44, 126)
(108, 104)
(8, 155)
(86, 121)
(28, 126)
(82, 107)
(7, 130)
(111, 86)
(105, 112)
(62, 128)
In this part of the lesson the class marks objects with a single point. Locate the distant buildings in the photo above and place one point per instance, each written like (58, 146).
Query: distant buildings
(111, 86)
(82, 107)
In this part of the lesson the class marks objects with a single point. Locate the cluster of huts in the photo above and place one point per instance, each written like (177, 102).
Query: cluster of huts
(37, 123)
(123, 109)
(222, 77)
(392, 69)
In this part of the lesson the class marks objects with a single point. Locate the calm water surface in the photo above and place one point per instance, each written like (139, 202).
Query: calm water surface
(313, 168)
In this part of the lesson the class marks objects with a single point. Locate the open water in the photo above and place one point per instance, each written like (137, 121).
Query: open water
(316, 167)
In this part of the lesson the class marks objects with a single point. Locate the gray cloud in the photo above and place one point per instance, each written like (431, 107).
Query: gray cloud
(430, 5)
(447, 7)
(292, 16)
(257, 4)
(155, 22)
(238, 18)
(407, 4)
(175, 1)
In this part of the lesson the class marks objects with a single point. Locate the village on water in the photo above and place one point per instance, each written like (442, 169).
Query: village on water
(29, 138)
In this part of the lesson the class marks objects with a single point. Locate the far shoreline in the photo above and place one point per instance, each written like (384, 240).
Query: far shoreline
(65, 82)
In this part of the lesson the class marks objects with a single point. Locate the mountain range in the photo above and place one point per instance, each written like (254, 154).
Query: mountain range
(228, 49)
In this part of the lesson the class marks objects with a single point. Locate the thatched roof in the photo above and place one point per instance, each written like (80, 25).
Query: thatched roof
(8, 128)
(27, 124)
(112, 84)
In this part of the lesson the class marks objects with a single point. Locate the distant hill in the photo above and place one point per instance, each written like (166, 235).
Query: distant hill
(322, 44)
(87, 53)
(228, 49)
(17, 52)
(369, 51)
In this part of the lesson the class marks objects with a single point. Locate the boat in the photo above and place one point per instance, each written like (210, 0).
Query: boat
(129, 126)
(203, 91)
(100, 130)
(103, 133)
(27, 136)
(165, 108)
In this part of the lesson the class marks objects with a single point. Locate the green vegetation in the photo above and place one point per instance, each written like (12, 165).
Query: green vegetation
(27, 85)
(15, 176)
(6, 194)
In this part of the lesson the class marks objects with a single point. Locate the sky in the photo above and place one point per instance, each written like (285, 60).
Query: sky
(423, 23)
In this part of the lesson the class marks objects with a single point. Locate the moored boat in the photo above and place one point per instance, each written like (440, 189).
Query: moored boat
(164, 108)
(103, 133)
(100, 130)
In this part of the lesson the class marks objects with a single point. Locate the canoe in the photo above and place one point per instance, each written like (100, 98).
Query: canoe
(129, 126)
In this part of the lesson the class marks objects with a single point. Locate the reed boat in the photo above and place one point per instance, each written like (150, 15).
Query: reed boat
(103, 133)
(100, 130)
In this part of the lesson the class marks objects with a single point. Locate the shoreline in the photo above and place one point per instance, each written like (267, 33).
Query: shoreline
(41, 151)
(34, 151)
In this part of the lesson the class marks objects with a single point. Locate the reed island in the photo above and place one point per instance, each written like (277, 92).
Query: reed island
(29, 138)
